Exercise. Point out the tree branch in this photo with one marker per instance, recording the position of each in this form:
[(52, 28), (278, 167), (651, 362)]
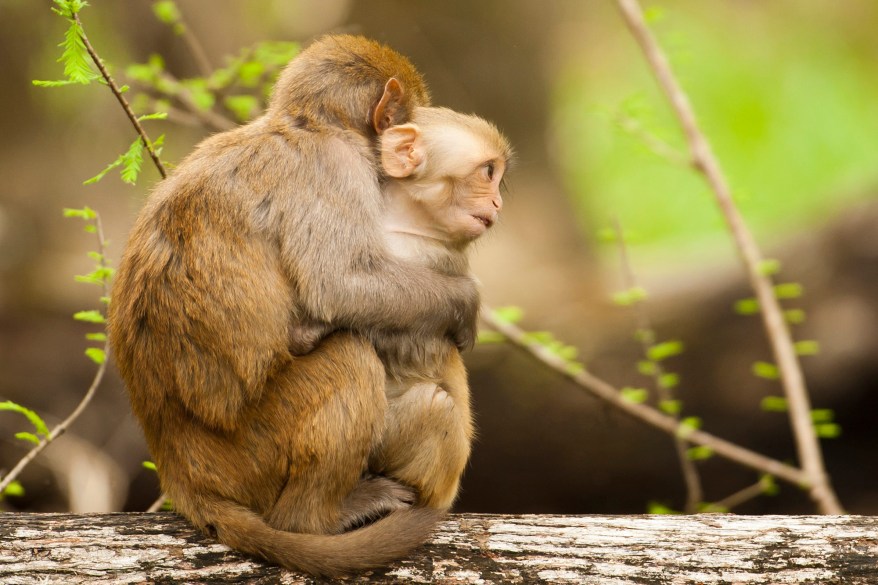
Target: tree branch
[(704, 161), (144, 138)]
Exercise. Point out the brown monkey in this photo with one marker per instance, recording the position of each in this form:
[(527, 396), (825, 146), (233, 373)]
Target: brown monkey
[(260, 231), (445, 193)]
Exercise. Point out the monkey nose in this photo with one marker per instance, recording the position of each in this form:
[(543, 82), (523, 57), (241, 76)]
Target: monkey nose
[(497, 202)]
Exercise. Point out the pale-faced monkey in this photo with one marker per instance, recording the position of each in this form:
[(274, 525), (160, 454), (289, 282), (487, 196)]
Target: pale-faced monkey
[(446, 170), (262, 229)]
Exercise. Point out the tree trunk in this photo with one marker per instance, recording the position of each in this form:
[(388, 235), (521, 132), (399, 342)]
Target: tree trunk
[(605, 550)]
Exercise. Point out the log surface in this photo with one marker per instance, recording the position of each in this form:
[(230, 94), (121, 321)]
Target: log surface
[(600, 550)]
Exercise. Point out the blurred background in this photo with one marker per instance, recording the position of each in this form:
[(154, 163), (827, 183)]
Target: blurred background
[(785, 90)]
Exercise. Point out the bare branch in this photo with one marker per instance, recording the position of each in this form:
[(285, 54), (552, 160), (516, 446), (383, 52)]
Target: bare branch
[(643, 412), (704, 161)]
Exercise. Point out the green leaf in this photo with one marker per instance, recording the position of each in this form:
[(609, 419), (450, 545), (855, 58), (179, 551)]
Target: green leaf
[(250, 73), (828, 430), (658, 508), (789, 290), (574, 368), (150, 465), (671, 407), (201, 96), (86, 213), (647, 368), (664, 350), (488, 337), (646, 336), (166, 11), (96, 355), (774, 404), (687, 425), (747, 306), (96, 336), (822, 415), (543, 338), (29, 437), (766, 370), (89, 316), (794, 316), (32, 416), (132, 161), (104, 172), (653, 14), (807, 347), (243, 106), (90, 229), (99, 276), (699, 453), (634, 395), (768, 267), (13, 489), (630, 297), (769, 485), (155, 116), (669, 380), (509, 314), (710, 508)]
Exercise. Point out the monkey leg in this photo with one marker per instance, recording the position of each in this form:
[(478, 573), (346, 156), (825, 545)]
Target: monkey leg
[(336, 408), (428, 437)]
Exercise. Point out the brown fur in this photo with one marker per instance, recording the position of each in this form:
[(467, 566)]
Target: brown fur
[(260, 232)]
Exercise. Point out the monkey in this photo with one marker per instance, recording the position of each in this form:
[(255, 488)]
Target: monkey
[(260, 231), (445, 172)]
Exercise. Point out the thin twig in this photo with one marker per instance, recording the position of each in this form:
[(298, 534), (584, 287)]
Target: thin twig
[(144, 138), (209, 118), (198, 51), (157, 505), (655, 144), (694, 490), (742, 496), (61, 428), (704, 161), (644, 412)]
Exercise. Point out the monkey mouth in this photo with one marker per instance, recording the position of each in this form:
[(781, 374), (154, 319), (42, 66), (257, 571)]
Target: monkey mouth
[(485, 221)]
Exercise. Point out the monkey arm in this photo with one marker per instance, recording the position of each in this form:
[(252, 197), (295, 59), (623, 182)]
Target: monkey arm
[(333, 249)]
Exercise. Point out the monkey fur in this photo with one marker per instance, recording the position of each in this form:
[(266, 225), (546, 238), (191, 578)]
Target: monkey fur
[(260, 231)]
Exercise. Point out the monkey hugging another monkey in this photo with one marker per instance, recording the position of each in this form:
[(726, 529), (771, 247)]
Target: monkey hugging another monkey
[(289, 308)]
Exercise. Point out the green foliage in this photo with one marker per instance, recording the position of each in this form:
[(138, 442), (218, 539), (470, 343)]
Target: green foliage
[(634, 395), (766, 370), (794, 316), (774, 404), (243, 107), (669, 380), (755, 120), (769, 485), (647, 368), (489, 337), (687, 425), (75, 57), (659, 508), (823, 423), (509, 315), (631, 296), (769, 267), (130, 161), (96, 354), (671, 407), (664, 350), (748, 306), (808, 347), (31, 416), (90, 316), (14, 489), (150, 465), (167, 12), (710, 508), (788, 290), (699, 453)]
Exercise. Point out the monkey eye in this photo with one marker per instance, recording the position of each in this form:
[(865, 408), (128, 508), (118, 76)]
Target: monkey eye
[(489, 170)]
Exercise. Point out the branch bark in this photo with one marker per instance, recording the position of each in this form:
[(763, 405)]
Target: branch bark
[(593, 550)]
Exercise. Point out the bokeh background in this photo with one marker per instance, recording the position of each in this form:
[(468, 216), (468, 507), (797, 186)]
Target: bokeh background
[(786, 90)]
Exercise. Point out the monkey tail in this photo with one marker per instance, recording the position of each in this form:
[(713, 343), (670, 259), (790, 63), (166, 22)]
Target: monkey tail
[(371, 546)]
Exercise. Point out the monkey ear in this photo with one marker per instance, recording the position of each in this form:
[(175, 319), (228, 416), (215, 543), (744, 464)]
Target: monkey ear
[(390, 103), (402, 151)]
